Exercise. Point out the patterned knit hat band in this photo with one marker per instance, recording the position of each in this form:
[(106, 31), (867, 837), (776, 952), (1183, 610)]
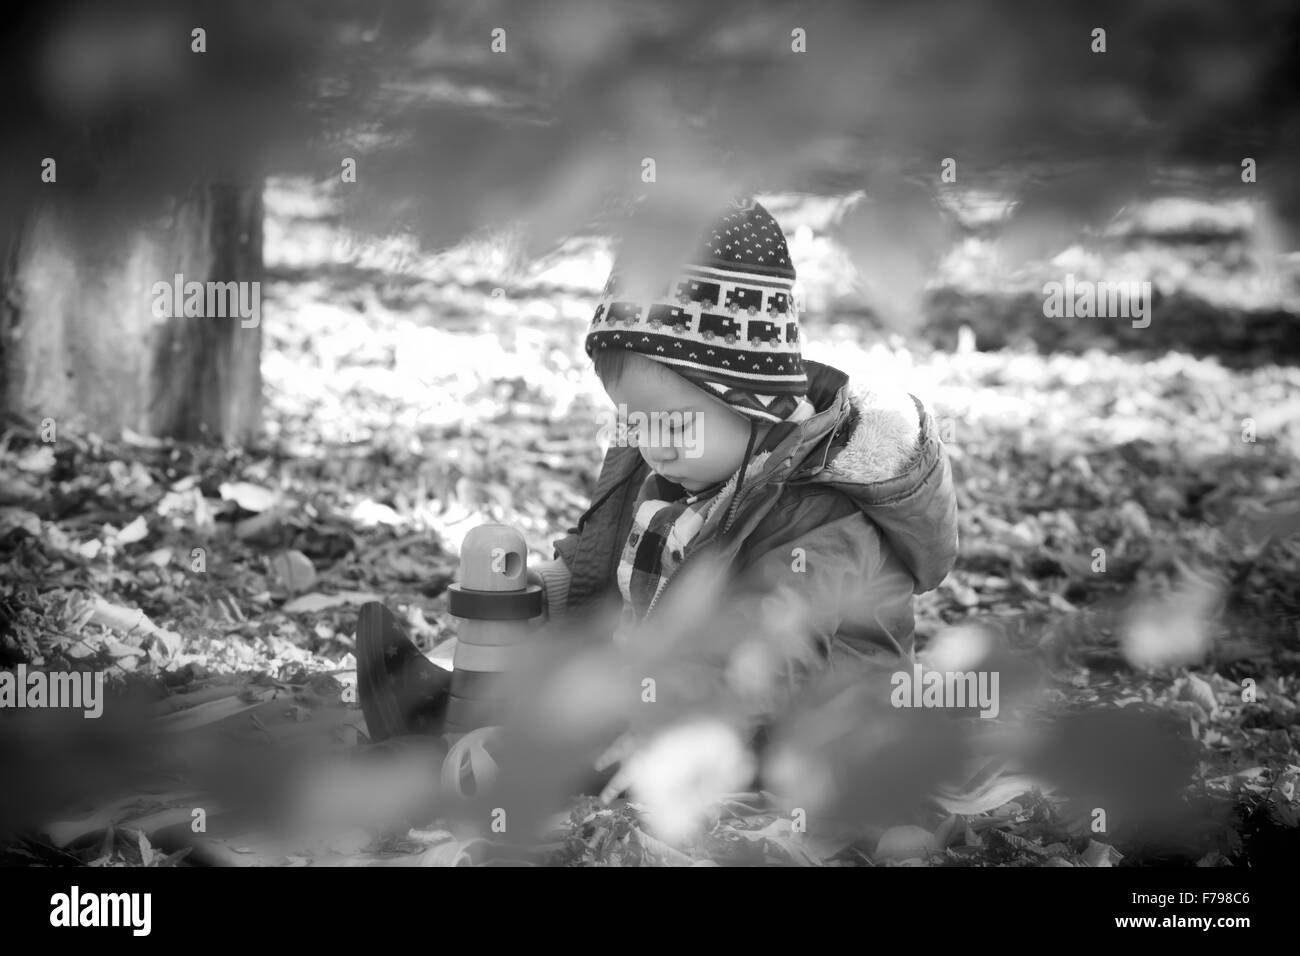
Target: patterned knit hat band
[(726, 322)]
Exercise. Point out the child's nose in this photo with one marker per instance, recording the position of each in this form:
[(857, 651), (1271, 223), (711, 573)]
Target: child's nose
[(659, 454)]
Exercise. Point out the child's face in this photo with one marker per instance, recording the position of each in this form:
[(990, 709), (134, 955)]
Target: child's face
[(697, 448)]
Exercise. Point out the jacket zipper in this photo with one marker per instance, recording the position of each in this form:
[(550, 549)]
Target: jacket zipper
[(662, 590)]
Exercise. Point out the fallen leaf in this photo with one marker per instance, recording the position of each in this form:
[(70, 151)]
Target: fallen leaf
[(962, 594), (132, 437), (1199, 692), (1288, 782), (259, 524), (369, 513), (37, 461), (248, 496), (118, 650), (15, 518), (137, 530), (147, 852), (124, 619), (168, 641), (159, 558), (319, 602), (294, 570)]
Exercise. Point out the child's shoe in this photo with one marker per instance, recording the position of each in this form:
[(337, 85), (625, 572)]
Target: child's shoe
[(399, 689)]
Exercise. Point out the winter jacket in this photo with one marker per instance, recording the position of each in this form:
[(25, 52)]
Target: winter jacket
[(863, 486)]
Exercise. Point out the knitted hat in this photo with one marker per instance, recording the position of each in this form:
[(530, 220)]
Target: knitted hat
[(726, 321)]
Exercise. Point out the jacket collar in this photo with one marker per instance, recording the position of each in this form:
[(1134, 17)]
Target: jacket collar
[(801, 450)]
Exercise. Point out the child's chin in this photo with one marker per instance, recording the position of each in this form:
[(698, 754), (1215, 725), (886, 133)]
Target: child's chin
[(690, 484)]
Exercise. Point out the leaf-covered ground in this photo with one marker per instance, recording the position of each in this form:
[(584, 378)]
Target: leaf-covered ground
[(1127, 525)]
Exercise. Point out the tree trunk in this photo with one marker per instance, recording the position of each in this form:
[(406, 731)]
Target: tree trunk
[(86, 340)]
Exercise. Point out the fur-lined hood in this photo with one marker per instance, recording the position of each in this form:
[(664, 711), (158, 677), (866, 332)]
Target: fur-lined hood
[(874, 446)]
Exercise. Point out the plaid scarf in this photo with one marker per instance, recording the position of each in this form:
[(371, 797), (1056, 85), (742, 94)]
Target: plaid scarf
[(662, 531)]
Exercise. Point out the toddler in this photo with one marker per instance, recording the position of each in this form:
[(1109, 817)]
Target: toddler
[(770, 453)]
